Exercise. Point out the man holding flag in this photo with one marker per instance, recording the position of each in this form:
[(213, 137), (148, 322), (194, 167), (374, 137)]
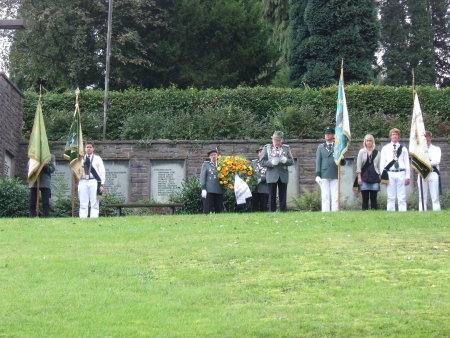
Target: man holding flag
[(420, 157), (39, 156), (330, 155)]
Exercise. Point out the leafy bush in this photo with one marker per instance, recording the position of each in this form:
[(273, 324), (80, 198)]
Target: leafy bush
[(190, 196), (310, 200), (13, 198)]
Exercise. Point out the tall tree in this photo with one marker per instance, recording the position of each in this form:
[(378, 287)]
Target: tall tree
[(220, 43), (327, 31), (421, 50), (155, 43), (440, 20), (394, 40)]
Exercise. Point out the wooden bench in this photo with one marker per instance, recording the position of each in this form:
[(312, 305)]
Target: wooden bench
[(119, 207)]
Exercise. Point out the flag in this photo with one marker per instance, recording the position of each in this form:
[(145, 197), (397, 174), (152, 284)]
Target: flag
[(342, 131), (241, 190), (73, 151), (38, 149), (418, 148)]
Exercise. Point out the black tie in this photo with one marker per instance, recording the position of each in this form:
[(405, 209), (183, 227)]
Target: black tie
[(87, 164), (329, 146), (395, 156)]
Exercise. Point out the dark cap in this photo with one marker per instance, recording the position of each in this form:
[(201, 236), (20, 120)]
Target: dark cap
[(212, 151), (259, 149), (328, 130)]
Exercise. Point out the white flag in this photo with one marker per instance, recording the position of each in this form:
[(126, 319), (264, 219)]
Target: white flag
[(418, 143), (241, 190)]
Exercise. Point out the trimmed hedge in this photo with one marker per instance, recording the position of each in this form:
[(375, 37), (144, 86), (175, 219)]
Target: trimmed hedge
[(237, 113)]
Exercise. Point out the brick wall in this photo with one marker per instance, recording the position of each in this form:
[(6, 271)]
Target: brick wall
[(10, 123), (194, 153)]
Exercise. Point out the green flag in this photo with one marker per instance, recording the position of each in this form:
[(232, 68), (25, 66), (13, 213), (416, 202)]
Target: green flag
[(73, 151), (38, 149)]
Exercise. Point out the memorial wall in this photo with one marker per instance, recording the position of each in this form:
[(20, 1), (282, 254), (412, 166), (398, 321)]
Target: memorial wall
[(153, 171)]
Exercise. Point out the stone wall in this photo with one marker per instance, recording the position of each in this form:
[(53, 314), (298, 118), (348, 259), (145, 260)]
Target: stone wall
[(11, 101), (139, 157)]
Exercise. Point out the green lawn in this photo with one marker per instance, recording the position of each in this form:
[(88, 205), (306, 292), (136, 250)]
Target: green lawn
[(294, 274)]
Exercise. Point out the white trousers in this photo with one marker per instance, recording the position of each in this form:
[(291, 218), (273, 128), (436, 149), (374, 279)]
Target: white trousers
[(431, 184), (329, 191), (87, 192), (396, 189)]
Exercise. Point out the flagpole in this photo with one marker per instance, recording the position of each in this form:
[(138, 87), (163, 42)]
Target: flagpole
[(339, 166), (73, 195), (420, 176)]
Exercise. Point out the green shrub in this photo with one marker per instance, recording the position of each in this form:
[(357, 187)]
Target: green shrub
[(13, 198), (190, 196), (237, 113), (310, 200)]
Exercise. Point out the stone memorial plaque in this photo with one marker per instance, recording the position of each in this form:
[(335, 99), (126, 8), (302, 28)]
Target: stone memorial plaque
[(7, 165), (292, 187), (347, 179), (116, 179), (166, 178), (61, 180)]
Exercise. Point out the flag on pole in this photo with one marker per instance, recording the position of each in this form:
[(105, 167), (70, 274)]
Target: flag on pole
[(418, 148), (342, 130), (73, 151), (241, 190), (38, 149)]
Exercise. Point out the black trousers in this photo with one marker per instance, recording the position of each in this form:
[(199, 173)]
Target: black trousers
[(45, 198), (260, 201), (212, 203), (373, 199), (282, 191)]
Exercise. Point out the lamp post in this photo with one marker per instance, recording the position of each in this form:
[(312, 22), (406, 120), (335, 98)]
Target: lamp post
[(108, 55)]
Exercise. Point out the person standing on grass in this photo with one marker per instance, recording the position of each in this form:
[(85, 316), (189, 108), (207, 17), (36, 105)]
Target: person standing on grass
[(276, 157), (327, 172), (212, 191), (368, 173), (45, 182), (431, 184), (395, 169), (260, 196), (91, 185)]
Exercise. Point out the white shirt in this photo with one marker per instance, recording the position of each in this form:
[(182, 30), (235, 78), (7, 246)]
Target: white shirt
[(434, 154), (387, 155), (97, 164)]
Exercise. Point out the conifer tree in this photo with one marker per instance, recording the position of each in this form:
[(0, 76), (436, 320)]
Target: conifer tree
[(325, 32)]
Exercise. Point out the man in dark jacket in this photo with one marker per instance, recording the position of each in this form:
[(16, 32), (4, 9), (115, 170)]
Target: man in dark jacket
[(45, 181)]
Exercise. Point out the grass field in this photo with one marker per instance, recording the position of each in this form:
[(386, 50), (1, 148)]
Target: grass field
[(230, 275)]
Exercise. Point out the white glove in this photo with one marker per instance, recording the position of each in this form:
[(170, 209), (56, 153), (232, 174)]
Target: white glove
[(318, 180), (204, 193), (284, 159), (275, 160)]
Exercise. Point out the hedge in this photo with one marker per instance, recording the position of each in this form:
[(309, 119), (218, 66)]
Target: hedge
[(237, 113)]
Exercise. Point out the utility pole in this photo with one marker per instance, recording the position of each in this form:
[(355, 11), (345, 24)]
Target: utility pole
[(108, 55)]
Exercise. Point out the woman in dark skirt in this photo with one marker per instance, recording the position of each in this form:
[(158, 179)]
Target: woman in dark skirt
[(367, 170)]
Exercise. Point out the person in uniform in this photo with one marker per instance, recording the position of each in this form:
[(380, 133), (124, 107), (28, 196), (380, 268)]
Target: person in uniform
[(260, 196), (431, 184), (276, 157), (92, 182), (395, 168), (327, 172), (45, 181), (212, 191)]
